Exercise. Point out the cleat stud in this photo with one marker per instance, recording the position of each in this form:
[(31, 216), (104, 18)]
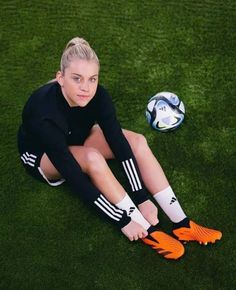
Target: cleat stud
[(200, 243), (205, 243)]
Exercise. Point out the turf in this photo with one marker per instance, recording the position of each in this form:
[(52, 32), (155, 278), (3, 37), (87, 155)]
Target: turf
[(48, 238)]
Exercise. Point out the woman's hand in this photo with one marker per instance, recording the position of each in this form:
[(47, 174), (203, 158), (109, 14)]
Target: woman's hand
[(149, 212), (134, 231)]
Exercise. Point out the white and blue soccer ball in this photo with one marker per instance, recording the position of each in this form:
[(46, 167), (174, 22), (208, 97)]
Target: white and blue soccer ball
[(165, 111)]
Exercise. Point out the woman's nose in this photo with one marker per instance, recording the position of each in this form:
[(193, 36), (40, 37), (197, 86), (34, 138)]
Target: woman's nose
[(84, 86)]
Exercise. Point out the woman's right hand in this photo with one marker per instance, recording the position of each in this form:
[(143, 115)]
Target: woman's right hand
[(134, 231)]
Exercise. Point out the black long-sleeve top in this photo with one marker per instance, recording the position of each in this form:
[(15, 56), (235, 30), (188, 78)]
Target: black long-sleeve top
[(52, 125)]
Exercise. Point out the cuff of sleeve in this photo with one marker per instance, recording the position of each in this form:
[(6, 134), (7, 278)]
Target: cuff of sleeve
[(139, 197), (124, 221)]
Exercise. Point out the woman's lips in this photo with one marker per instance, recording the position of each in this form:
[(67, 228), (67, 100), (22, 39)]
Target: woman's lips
[(83, 96)]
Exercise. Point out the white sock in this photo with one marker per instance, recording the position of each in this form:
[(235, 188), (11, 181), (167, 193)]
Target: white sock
[(170, 205), (127, 204)]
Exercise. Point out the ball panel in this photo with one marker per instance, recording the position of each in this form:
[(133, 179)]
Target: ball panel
[(151, 105), (181, 107)]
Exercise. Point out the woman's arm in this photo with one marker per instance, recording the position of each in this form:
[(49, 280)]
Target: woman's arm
[(56, 148), (106, 117)]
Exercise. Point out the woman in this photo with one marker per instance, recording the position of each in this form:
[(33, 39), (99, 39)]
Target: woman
[(69, 129)]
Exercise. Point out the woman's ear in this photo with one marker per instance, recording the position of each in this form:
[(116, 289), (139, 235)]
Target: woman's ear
[(60, 78)]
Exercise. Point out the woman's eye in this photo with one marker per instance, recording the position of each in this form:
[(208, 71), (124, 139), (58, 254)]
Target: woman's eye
[(77, 79), (93, 80)]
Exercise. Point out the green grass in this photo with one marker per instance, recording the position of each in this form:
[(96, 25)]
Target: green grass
[(48, 238)]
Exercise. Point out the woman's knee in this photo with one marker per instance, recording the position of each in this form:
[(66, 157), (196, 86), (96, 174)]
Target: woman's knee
[(95, 162), (138, 143)]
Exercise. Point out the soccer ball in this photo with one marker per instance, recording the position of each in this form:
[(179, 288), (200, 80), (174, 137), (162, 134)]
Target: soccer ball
[(165, 111)]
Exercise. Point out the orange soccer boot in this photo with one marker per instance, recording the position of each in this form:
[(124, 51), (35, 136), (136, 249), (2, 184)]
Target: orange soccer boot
[(165, 245), (197, 233)]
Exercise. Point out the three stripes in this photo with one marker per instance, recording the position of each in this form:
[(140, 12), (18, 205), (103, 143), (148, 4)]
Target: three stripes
[(109, 209), (28, 159), (132, 174)]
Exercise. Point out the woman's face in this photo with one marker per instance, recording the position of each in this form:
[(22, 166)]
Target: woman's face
[(79, 82)]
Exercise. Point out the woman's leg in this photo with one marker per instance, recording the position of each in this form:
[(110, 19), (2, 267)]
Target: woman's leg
[(152, 174), (94, 165), (150, 169), (157, 184)]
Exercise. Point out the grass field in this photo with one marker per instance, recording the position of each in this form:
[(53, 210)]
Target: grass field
[(48, 238)]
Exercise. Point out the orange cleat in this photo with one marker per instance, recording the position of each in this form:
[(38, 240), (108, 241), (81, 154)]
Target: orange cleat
[(197, 233), (165, 245)]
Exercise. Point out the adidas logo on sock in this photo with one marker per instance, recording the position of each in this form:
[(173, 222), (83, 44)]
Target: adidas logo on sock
[(131, 209), (173, 200)]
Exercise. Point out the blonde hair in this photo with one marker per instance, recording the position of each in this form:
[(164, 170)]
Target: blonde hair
[(77, 48)]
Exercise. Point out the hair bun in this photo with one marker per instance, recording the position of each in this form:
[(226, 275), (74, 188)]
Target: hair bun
[(77, 41), (77, 47)]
